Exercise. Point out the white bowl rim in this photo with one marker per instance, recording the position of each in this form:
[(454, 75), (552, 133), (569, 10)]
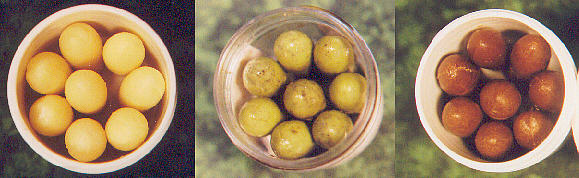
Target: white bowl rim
[(563, 124), (73, 165)]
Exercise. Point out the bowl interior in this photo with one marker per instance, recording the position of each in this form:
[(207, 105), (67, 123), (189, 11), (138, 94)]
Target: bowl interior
[(44, 37), (256, 40), (452, 39)]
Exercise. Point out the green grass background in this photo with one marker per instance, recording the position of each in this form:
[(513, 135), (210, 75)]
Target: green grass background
[(417, 22), (217, 20)]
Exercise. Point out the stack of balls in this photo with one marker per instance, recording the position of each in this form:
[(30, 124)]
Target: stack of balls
[(518, 111), (77, 75), (287, 111)]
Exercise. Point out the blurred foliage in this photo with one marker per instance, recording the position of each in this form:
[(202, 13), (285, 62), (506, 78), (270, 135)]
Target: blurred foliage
[(217, 20), (173, 155), (417, 22)]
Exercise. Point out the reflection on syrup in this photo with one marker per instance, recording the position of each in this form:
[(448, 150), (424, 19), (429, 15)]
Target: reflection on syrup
[(113, 81)]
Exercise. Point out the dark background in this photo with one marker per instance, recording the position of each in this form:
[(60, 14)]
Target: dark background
[(172, 20), (417, 22)]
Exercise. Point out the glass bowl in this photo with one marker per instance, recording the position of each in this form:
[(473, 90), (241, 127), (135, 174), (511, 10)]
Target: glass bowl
[(256, 38)]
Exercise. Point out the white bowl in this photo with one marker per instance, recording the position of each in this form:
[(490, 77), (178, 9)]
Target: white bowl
[(451, 40), (106, 20)]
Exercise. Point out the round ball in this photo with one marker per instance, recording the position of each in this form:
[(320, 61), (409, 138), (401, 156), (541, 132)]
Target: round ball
[(263, 76), (333, 54), (50, 115), (531, 128), (126, 129), (291, 140), (86, 91), (486, 47), (47, 72), (123, 52), (85, 140), (330, 127), (500, 99), (530, 54), (259, 116), (81, 46), (461, 116), (304, 99), (142, 88), (493, 140), (293, 50), (457, 76), (348, 92), (547, 90)]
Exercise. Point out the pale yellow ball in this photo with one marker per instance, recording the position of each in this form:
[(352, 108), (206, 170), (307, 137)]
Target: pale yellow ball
[(50, 115), (85, 140), (81, 46), (47, 72), (126, 129), (142, 88), (123, 52), (86, 91)]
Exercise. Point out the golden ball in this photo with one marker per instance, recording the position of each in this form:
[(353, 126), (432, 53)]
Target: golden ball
[(46, 73), (85, 140), (123, 52), (86, 91), (81, 46), (50, 115), (126, 129), (142, 88)]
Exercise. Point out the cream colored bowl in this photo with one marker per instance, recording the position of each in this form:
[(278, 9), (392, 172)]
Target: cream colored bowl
[(106, 20), (451, 39)]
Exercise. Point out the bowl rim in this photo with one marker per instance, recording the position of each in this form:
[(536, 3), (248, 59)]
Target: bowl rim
[(70, 164), (563, 124), (349, 151)]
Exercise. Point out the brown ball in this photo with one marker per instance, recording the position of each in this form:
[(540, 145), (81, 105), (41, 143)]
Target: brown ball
[(546, 90), (500, 99), (461, 116), (530, 54), (531, 128), (486, 47), (456, 75), (493, 140)]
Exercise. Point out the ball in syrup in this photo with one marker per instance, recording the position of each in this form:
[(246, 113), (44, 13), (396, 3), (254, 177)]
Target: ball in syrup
[(486, 47), (50, 115), (142, 88), (123, 52), (461, 116), (47, 72), (546, 90), (304, 99), (493, 140), (500, 99), (81, 46), (457, 76), (531, 128), (85, 140), (126, 129), (530, 54), (86, 91), (293, 50)]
